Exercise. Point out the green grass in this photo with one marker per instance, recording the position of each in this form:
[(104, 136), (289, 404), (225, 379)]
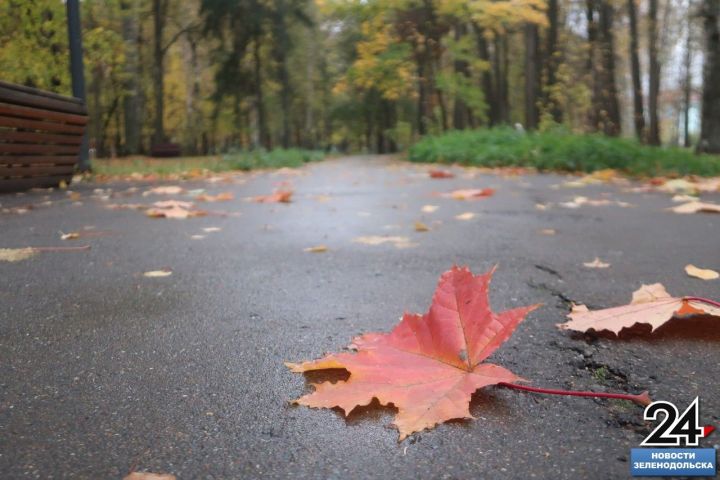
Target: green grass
[(560, 151), (215, 163), (292, 157)]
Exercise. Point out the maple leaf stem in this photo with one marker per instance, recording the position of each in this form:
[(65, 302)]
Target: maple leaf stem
[(703, 300), (641, 398), (61, 249)]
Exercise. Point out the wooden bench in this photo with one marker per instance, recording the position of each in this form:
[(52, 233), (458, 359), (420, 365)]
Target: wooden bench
[(40, 137)]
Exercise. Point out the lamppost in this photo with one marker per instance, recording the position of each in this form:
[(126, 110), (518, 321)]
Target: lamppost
[(76, 70)]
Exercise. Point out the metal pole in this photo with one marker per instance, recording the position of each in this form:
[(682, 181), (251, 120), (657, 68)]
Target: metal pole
[(76, 70)]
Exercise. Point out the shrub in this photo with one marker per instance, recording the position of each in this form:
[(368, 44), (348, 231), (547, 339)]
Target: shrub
[(278, 158)]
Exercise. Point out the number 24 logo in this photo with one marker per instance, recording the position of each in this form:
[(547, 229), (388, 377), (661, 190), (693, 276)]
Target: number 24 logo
[(674, 427)]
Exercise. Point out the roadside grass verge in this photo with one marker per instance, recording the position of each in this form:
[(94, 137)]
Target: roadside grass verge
[(560, 151), (180, 166)]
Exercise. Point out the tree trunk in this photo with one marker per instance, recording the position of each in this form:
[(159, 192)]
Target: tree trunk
[(687, 84), (639, 114), (461, 112), (654, 74), (552, 62), (500, 64), (532, 76), (259, 97), (710, 116), (609, 115), (486, 81), (159, 11), (131, 100)]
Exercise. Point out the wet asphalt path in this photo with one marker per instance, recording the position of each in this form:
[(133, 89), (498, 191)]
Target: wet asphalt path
[(103, 370)]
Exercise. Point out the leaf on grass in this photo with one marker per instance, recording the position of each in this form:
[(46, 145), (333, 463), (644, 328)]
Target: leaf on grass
[(465, 216), (696, 207), (429, 208), (701, 273), (220, 197), (399, 242), (16, 254), (651, 304), (470, 193), (149, 476), (429, 365), (165, 272), (597, 263), (316, 249), (437, 173), (421, 227), (279, 196)]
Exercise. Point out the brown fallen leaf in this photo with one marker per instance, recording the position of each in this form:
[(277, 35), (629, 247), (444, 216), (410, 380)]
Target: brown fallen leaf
[(316, 249), (220, 197), (696, 207), (149, 476), (437, 173), (651, 304), (701, 273), (470, 193), (279, 196), (597, 263), (421, 227), (164, 272), (429, 365)]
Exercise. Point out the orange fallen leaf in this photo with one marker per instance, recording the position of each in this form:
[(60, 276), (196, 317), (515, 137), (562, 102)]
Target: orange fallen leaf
[(220, 197), (437, 173), (651, 304), (701, 273), (149, 476), (429, 365), (165, 190), (470, 193), (696, 207), (279, 196)]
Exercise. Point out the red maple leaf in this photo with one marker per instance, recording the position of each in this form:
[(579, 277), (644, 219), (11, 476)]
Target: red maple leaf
[(429, 365)]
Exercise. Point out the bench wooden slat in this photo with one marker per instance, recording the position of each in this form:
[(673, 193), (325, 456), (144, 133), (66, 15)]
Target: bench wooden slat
[(39, 137), (42, 126), (29, 112), (34, 159), (37, 148), (15, 96), (36, 170)]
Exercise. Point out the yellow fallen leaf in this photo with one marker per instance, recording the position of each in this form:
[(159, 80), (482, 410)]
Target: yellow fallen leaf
[(63, 185), (429, 208), (211, 229), (421, 227), (316, 249), (69, 236), (166, 272), (16, 254), (547, 231), (701, 273), (540, 206), (399, 242), (197, 237), (597, 263), (465, 216)]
